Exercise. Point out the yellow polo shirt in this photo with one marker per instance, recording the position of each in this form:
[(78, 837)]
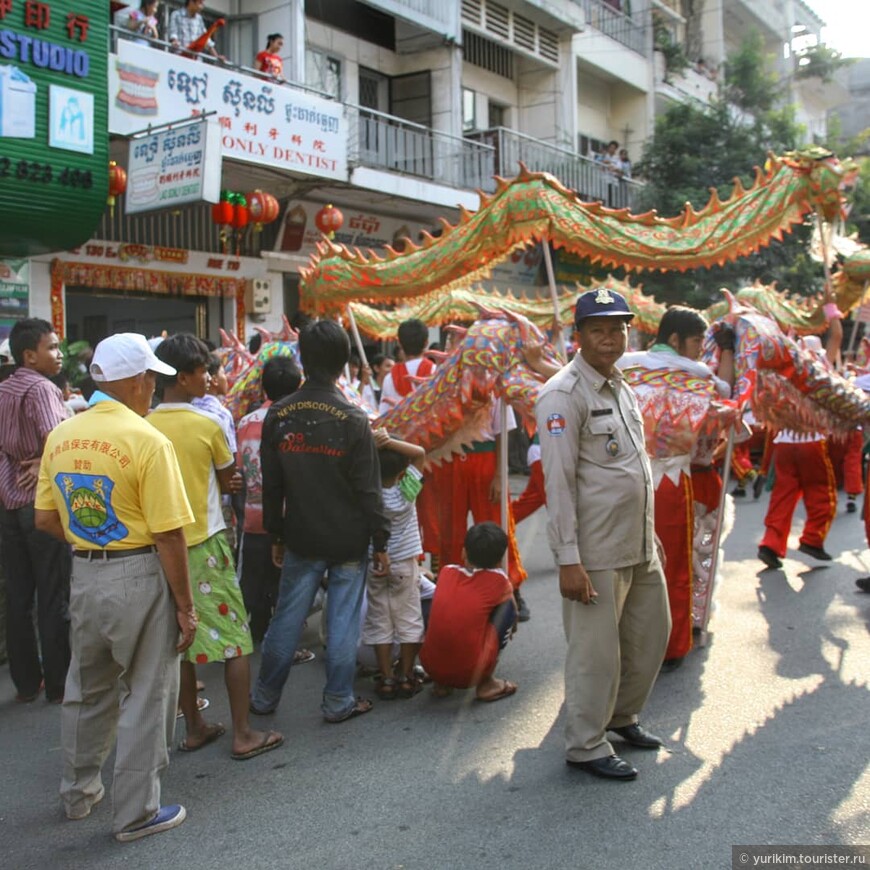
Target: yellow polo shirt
[(113, 479)]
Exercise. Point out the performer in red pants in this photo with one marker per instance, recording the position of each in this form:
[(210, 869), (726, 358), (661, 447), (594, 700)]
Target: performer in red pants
[(678, 348), (533, 496), (802, 468), (846, 460)]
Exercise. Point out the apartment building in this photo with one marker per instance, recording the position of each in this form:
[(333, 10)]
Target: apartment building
[(393, 111)]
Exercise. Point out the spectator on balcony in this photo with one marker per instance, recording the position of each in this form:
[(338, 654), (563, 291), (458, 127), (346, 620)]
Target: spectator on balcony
[(623, 164), (143, 21), (269, 61), (186, 27)]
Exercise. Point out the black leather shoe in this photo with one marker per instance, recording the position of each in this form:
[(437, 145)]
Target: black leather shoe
[(816, 552), (611, 767), (523, 612), (863, 583), (851, 507), (638, 736), (769, 557)]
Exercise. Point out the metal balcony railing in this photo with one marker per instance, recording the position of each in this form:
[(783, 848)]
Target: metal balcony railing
[(386, 142), (588, 178), (609, 19)]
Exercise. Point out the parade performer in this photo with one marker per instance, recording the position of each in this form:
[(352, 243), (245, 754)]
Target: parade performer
[(600, 495), (110, 486), (802, 468), (397, 382), (678, 347)]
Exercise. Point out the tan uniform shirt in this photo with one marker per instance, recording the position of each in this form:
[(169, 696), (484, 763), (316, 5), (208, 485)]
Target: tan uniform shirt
[(596, 471)]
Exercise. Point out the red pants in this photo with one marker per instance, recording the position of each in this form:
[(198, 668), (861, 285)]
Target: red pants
[(706, 486), (533, 496), (846, 461), (675, 522), (802, 469), (467, 489), (429, 506)]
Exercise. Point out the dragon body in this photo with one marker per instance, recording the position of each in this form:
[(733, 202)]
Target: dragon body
[(535, 207)]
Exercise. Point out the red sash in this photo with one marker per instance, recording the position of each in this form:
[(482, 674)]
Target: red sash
[(402, 380)]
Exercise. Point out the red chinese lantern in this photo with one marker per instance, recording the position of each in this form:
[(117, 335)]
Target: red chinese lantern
[(117, 184), (328, 220), (263, 208), (222, 212), (240, 211)]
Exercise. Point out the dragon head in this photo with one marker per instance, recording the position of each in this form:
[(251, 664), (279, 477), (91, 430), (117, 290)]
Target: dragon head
[(453, 406), (827, 178)]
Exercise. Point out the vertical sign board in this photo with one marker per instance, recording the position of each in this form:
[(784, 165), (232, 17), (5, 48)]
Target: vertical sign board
[(14, 293), (174, 167), (54, 142)]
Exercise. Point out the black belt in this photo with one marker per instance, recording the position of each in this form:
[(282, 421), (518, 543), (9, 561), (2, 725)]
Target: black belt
[(104, 555)]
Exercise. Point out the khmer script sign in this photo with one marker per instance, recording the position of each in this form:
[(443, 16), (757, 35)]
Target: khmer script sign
[(174, 166), (260, 121)]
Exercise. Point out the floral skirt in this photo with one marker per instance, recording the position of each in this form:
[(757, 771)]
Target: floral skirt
[(223, 631)]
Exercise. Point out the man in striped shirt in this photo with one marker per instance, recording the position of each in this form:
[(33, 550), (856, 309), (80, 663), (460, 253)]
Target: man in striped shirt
[(37, 565)]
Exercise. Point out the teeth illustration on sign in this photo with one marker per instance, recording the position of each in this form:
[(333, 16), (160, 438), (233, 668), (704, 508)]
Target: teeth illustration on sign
[(137, 93)]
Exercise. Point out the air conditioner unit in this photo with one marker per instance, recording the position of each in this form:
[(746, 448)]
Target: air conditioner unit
[(258, 298)]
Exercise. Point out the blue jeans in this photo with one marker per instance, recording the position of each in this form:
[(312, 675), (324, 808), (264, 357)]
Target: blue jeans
[(300, 579)]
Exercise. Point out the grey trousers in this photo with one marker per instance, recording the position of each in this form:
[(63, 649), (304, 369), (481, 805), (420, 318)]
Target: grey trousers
[(122, 681), (615, 650)]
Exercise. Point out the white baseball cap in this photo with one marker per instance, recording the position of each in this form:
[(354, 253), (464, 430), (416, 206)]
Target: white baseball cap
[(123, 356)]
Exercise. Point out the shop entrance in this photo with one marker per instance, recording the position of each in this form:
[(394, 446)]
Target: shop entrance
[(92, 315)]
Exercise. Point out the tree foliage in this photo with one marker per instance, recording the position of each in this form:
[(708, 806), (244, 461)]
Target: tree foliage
[(697, 147)]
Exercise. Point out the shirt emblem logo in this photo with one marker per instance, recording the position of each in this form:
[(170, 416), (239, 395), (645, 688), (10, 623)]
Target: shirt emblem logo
[(88, 500), (603, 297), (556, 424)]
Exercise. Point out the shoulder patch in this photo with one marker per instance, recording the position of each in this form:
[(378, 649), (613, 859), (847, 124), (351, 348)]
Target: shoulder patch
[(556, 424)]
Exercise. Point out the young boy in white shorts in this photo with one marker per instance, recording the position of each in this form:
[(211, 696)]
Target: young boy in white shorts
[(394, 612)]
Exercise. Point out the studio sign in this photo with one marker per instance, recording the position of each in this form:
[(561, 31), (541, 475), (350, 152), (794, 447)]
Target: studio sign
[(44, 54)]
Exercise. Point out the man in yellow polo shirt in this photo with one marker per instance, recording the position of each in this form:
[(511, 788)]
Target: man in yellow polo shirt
[(110, 485)]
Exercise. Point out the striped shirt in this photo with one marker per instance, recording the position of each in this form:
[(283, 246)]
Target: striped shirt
[(404, 542), (30, 407), (186, 28)]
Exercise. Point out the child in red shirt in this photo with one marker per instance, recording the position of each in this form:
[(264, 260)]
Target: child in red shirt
[(473, 616)]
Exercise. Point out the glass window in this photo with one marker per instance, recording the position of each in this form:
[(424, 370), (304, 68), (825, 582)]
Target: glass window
[(497, 115), (323, 72), (469, 115)]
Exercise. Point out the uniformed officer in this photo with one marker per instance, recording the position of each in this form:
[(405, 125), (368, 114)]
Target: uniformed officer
[(600, 498)]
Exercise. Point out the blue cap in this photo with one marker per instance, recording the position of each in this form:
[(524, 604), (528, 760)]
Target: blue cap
[(601, 302)]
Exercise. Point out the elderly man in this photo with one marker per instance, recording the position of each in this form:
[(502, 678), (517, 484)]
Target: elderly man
[(110, 485), (600, 498)]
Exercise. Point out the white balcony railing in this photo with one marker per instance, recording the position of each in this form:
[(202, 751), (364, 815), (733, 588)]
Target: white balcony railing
[(387, 142), (588, 178)]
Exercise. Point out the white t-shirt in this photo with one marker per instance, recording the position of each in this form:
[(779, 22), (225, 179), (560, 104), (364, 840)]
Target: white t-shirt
[(389, 394)]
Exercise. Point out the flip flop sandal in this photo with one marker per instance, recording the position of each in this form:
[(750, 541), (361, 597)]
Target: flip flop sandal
[(506, 691), (201, 704), (212, 734), (362, 705), (266, 746), (409, 687), (303, 656)]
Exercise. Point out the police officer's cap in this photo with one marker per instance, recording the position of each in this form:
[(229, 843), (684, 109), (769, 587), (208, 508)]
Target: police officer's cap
[(601, 302)]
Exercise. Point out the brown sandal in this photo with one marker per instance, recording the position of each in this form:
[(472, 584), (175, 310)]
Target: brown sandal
[(387, 689), (409, 686)]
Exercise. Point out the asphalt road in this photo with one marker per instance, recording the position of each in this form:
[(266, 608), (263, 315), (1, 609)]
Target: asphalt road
[(766, 729)]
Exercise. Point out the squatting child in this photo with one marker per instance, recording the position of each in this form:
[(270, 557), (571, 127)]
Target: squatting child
[(473, 617)]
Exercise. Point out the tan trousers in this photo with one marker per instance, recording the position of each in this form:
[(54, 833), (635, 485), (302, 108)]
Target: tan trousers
[(123, 679), (615, 649)]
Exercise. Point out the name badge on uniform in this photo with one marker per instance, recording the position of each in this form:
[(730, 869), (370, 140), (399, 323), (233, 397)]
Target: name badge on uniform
[(611, 446)]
